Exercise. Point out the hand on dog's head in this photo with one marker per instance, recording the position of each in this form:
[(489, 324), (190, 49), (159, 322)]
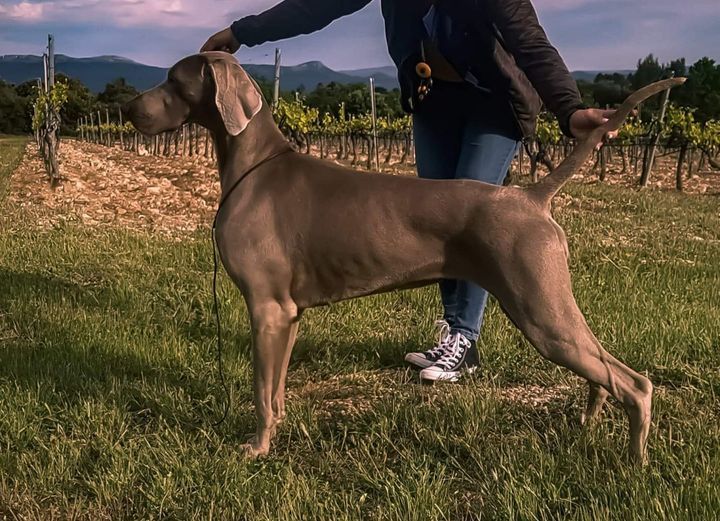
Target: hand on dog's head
[(209, 88)]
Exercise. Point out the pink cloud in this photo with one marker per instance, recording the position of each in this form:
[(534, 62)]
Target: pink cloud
[(23, 11), (619, 6), (123, 13)]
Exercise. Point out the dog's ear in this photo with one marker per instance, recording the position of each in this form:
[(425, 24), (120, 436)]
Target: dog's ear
[(236, 97)]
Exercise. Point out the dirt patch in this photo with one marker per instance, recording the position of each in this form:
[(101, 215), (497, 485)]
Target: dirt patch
[(109, 186), (352, 394), (357, 393), (661, 178), (175, 195)]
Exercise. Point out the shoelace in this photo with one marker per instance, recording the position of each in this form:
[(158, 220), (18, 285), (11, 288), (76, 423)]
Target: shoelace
[(454, 354), (443, 337)]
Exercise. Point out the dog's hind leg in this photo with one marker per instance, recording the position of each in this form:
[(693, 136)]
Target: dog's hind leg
[(537, 296), (278, 396), (272, 324)]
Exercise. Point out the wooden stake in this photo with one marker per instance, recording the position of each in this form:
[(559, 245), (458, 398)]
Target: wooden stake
[(653, 144), (276, 82), (122, 137), (109, 133), (373, 110), (100, 128)]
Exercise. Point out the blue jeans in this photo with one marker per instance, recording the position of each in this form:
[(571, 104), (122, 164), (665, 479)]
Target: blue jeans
[(463, 133)]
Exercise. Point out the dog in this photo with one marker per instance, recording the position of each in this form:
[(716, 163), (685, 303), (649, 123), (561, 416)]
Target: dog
[(295, 232)]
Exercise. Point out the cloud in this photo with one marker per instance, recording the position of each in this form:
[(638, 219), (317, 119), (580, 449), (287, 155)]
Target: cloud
[(595, 34), (175, 7), (590, 34), (560, 5), (123, 13), (22, 11), (620, 8)]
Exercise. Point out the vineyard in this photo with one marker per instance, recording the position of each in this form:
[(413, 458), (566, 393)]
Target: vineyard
[(109, 381), (344, 137), (108, 276), (349, 138)]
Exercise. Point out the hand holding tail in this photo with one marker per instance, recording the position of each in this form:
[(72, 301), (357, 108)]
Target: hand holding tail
[(545, 190), (584, 121)]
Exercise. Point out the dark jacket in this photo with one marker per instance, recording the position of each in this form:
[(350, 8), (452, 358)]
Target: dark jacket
[(526, 68)]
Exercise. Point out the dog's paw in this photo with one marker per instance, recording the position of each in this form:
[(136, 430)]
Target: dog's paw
[(253, 450)]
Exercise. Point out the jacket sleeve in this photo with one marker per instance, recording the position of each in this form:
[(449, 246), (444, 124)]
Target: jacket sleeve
[(526, 40), (292, 18)]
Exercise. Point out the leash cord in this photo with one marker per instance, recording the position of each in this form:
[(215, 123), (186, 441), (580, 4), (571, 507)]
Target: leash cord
[(221, 372), (216, 305)]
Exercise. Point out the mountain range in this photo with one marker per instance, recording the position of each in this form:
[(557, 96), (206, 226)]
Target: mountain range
[(97, 71)]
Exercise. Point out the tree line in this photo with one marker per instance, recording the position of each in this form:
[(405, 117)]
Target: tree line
[(17, 103), (701, 94)]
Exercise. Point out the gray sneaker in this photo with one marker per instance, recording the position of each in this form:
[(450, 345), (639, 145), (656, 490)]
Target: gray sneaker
[(460, 357), (432, 355)]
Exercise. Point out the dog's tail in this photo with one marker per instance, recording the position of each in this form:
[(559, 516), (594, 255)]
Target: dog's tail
[(545, 190)]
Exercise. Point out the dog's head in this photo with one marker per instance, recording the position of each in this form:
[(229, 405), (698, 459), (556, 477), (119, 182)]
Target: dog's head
[(209, 88)]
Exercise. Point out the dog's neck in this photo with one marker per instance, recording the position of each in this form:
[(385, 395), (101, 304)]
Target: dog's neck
[(238, 154)]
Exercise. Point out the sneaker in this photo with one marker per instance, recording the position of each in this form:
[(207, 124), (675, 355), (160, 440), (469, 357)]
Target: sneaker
[(432, 355), (460, 357)]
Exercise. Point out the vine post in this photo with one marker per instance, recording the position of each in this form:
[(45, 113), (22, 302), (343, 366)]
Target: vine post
[(109, 130), (46, 113), (122, 137), (654, 141), (373, 113), (100, 130), (51, 61), (276, 79)]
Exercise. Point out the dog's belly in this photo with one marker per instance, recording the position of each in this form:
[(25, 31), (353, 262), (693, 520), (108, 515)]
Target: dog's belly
[(369, 239), (345, 277)]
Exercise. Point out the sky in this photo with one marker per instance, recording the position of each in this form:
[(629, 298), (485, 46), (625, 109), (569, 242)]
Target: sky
[(590, 34)]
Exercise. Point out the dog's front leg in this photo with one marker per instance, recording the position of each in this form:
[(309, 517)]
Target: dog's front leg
[(272, 324), (597, 395), (278, 398)]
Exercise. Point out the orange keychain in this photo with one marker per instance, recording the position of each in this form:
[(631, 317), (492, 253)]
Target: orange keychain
[(423, 70)]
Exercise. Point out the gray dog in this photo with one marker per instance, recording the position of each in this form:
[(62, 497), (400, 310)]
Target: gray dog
[(300, 232)]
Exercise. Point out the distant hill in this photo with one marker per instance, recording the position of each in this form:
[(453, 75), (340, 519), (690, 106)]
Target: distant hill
[(97, 71), (94, 72), (384, 76), (310, 74), (387, 70)]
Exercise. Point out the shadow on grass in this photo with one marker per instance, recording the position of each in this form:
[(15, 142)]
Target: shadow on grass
[(125, 360), (71, 360), (115, 354)]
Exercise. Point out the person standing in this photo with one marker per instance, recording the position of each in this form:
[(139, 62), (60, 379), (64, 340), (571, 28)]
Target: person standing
[(492, 68)]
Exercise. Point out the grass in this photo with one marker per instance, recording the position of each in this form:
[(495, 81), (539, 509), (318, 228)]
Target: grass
[(108, 386), (11, 151)]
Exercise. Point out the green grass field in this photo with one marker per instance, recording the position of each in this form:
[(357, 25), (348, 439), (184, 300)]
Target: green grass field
[(11, 151), (108, 385)]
